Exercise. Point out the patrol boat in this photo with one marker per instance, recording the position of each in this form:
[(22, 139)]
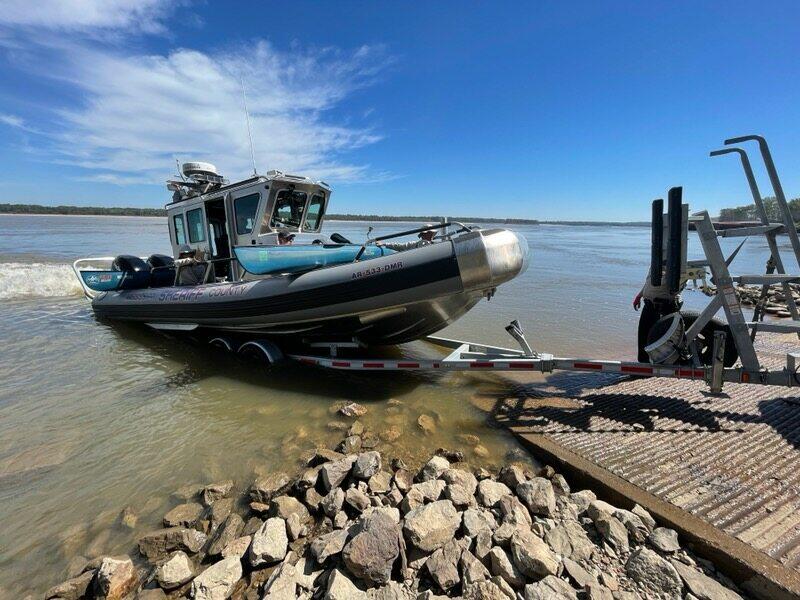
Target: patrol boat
[(318, 288)]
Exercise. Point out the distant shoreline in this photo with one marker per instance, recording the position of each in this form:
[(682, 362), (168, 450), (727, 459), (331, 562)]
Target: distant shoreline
[(99, 211)]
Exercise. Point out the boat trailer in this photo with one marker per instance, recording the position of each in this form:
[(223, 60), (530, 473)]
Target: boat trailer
[(669, 246)]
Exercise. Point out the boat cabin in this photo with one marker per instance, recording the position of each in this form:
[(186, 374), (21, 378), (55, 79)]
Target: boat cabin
[(210, 214)]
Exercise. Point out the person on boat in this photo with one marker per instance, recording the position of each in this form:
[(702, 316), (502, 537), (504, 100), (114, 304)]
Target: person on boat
[(658, 301), (425, 237), (191, 270), (285, 238)]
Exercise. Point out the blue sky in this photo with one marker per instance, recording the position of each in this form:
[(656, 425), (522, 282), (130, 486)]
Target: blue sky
[(552, 110)]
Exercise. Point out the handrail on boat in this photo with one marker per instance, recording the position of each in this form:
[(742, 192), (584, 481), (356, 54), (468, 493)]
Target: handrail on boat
[(389, 236)]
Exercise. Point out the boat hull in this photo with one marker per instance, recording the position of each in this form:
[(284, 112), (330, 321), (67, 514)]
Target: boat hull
[(387, 300)]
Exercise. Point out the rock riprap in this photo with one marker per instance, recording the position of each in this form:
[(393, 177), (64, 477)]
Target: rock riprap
[(364, 526)]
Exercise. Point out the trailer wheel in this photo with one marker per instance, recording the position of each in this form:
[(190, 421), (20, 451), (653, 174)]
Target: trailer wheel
[(221, 343), (261, 350), (705, 339)]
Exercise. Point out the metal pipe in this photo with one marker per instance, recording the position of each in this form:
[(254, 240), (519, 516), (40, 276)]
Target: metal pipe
[(675, 220), (777, 262), (791, 228), (657, 243)]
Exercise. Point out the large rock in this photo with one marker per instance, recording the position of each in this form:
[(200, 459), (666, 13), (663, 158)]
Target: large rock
[(476, 520), (550, 588), (160, 543), (229, 531), (458, 495), (367, 464), (581, 500), (442, 565), (237, 547), (392, 591), (614, 532), (357, 499), (486, 590), (599, 507), (353, 409), (490, 492), (513, 511), (341, 588), (645, 516), (461, 477), (434, 468), (334, 473), (284, 506), (654, 573), (472, 569), (500, 564), (380, 483), (282, 584), (370, 554), (175, 572), (664, 539), (72, 589), (264, 488), (637, 530), (218, 580), (532, 556), (328, 544), (430, 526), (269, 543), (183, 515), (703, 586), (332, 502), (217, 513), (216, 491), (115, 578), (512, 476), (569, 540), (538, 496)]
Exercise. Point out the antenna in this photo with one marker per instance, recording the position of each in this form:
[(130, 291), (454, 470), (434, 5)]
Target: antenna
[(249, 135), (180, 171)]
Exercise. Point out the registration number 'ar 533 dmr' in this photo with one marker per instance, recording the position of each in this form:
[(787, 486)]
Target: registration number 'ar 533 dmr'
[(378, 270)]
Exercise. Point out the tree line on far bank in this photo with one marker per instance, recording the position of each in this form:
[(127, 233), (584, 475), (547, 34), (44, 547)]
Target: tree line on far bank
[(38, 209), (749, 213)]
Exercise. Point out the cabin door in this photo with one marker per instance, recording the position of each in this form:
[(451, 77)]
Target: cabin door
[(218, 236)]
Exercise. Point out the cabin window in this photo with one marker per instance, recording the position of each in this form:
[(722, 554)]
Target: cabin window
[(245, 209), (289, 206), (314, 212), (194, 220), (180, 232)]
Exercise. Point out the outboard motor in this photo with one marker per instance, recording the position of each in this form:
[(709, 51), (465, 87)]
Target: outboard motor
[(162, 270), (137, 272)]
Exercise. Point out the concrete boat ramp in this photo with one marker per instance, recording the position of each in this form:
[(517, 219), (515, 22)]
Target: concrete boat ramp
[(722, 470)]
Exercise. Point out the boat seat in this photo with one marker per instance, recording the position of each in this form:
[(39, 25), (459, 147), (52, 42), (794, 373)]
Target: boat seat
[(137, 272), (162, 270)]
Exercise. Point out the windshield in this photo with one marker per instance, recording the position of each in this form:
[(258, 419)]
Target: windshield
[(289, 207), (314, 213)]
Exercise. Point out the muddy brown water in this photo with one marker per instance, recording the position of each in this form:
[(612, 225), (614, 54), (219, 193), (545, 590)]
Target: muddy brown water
[(95, 418)]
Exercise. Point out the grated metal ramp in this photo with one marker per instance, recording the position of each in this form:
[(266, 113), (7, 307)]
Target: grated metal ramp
[(730, 460)]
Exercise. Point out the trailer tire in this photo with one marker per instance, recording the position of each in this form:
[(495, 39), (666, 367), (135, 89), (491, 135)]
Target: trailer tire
[(221, 343), (262, 351), (705, 339)]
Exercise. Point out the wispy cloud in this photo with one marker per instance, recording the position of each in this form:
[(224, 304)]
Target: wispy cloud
[(87, 15), (12, 121), (141, 111)]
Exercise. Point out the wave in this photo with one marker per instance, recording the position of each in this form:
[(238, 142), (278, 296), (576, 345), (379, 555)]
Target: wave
[(20, 280)]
